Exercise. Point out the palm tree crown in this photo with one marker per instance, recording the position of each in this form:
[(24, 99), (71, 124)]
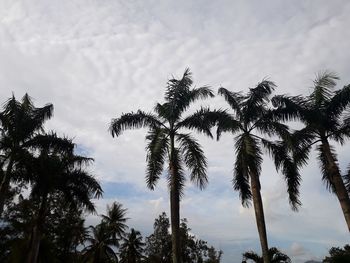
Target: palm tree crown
[(20, 123)]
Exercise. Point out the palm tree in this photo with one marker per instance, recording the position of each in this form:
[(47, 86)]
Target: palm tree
[(58, 171), (101, 245), (166, 141), (115, 219), (322, 114), (131, 250), (252, 119), (20, 123), (274, 254)]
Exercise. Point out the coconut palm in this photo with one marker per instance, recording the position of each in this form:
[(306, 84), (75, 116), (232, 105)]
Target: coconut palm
[(274, 254), (115, 219), (166, 141), (58, 171), (251, 122), (131, 250), (322, 113), (20, 123), (101, 245)]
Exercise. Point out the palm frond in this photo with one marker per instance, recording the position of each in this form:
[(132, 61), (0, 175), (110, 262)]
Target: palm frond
[(234, 99), (157, 150), (202, 121), (290, 170), (227, 123), (290, 108), (323, 87), (132, 120), (339, 102), (194, 159)]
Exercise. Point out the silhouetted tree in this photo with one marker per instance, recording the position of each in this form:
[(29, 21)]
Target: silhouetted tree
[(131, 249), (167, 142), (20, 123), (338, 255), (322, 114), (252, 121), (101, 245), (57, 170)]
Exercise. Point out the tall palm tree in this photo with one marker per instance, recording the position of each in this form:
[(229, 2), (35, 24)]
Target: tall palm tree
[(166, 141), (275, 256), (115, 219), (322, 113), (131, 250), (58, 171), (100, 249), (20, 123), (251, 122)]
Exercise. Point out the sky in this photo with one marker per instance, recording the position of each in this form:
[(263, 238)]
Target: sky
[(97, 59)]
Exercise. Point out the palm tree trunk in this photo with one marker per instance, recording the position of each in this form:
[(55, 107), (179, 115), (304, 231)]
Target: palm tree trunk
[(5, 182), (32, 256), (337, 181), (259, 216), (174, 209)]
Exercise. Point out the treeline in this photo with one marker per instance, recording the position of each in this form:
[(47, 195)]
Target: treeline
[(47, 188), (66, 238)]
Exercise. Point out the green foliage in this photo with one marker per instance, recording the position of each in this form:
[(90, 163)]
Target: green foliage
[(338, 255), (194, 250), (275, 256)]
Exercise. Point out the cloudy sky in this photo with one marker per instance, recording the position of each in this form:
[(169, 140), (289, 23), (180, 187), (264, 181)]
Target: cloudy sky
[(94, 59)]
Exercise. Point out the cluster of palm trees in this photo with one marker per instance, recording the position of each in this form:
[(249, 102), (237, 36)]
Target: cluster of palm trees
[(43, 176), (44, 164), (255, 120)]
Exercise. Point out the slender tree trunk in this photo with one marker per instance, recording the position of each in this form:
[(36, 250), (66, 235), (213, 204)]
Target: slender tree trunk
[(174, 209), (337, 181), (34, 247), (5, 182), (259, 216)]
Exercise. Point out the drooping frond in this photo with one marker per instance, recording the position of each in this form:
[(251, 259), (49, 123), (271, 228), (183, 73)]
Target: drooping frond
[(132, 120), (291, 108), (284, 163), (227, 123), (341, 133), (266, 125), (339, 102), (79, 187), (194, 158), (248, 161), (202, 121), (234, 99), (329, 167), (176, 174), (323, 88), (157, 151)]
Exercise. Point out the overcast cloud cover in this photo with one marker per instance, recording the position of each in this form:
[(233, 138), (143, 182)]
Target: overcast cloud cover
[(94, 59)]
